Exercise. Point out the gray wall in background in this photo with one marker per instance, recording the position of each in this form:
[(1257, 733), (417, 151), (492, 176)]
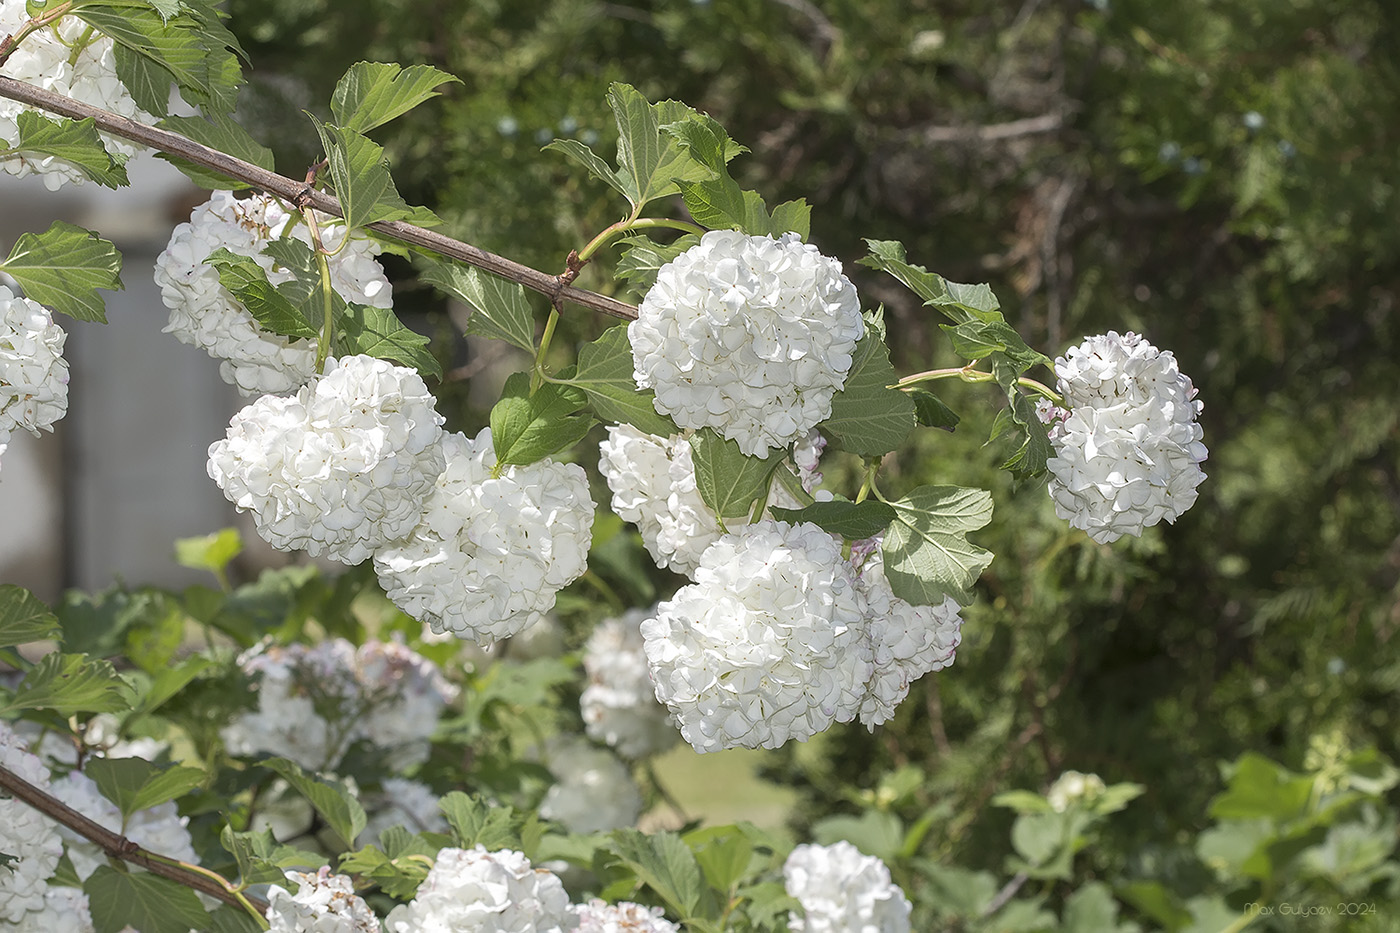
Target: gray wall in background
[(104, 497)]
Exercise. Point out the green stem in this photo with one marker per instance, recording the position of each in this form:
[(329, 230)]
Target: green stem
[(78, 47), (323, 347), (11, 43), (538, 375), (969, 374), (236, 891), (635, 223)]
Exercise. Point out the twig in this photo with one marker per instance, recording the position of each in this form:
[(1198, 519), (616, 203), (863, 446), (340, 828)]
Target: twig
[(992, 132), (1007, 892), (291, 190), (118, 846)]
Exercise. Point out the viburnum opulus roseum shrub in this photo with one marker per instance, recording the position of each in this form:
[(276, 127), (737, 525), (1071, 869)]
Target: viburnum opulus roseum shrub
[(317, 753)]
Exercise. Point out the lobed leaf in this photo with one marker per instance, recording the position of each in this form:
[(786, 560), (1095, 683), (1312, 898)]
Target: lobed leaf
[(605, 372), (371, 94), (729, 481), (478, 823), (379, 333), (63, 268), (335, 802), (140, 900), (868, 417), (272, 309), (926, 551), (500, 309), (75, 142), (360, 174), (135, 784), (217, 131), (665, 864), (70, 684), (528, 426), (23, 617), (853, 521)]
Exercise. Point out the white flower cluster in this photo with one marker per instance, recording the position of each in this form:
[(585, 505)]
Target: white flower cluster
[(476, 891), (314, 701), (323, 903), (341, 468), (594, 790), (751, 336), (204, 314), (1074, 786), (26, 836), (619, 704), (907, 641), (1127, 446), (780, 637), (653, 486), (494, 547), (51, 59), (159, 829), (33, 372), (65, 910), (402, 802), (843, 891), (598, 916), (766, 645)]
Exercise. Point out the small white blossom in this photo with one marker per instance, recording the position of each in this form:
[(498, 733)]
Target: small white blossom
[(25, 835), (402, 802), (49, 58), (65, 910), (341, 468), (594, 790), (751, 336), (767, 645), (598, 916), (323, 903), (494, 547), (33, 372), (843, 891), (907, 641), (206, 315), (1074, 786), (160, 829), (619, 704), (314, 701), (476, 891), (1127, 445)]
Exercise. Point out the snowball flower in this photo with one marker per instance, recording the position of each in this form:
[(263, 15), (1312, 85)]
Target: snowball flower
[(65, 910), (324, 903), (25, 835), (843, 891), (751, 336), (313, 701), (341, 468), (205, 314), (767, 644), (598, 916), (1073, 786), (409, 804), (476, 891), (160, 829), (619, 704), (493, 547), (906, 641), (653, 486), (1127, 445), (594, 790), (50, 58), (33, 372)]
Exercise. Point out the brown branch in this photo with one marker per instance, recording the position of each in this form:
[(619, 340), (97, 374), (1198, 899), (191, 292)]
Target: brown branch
[(291, 190), (116, 845), (993, 132)]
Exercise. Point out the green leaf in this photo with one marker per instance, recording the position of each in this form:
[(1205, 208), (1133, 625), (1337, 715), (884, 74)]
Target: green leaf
[(248, 283), (1155, 901), (227, 919), (135, 784), (962, 892), (63, 268), (23, 618), (927, 554), (851, 520), (209, 552), (332, 799), (665, 864), (605, 372), (1023, 801), (588, 159), (166, 683), (960, 303), (728, 480), (1262, 789), (639, 263), (868, 417), (526, 428), (360, 173), (399, 867), (649, 161), (792, 217), (930, 410), (220, 132), (371, 94), (500, 309), (1034, 449), (261, 858), (143, 901), (75, 142), (723, 852), (379, 333), (478, 823), (874, 832), (69, 684)]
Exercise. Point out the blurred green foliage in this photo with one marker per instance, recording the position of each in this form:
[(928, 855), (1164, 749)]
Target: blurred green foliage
[(1218, 176)]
